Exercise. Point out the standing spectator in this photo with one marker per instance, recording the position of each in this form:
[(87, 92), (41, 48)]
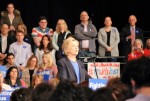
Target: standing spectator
[(69, 68), (11, 17), (85, 33), (5, 41), (59, 35), (27, 37), (108, 38), (45, 47), (42, 29), (129, 34), (21, 50)]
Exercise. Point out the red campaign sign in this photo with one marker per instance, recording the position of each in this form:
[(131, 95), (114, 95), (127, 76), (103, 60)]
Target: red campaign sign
[(105, 70)]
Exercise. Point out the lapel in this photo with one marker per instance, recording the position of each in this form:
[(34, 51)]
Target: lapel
[(70, 67), (104, 34), (80, 71)]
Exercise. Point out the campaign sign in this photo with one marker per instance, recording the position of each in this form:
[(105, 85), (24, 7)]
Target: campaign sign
[(5, 95), (4, 70), (97, 83), (104, 70), (45, 74)]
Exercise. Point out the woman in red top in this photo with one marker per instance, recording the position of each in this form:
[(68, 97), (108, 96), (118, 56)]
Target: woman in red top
[(147, 48), (137, 50)]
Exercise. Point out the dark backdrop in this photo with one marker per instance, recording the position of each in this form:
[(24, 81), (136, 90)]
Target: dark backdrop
[(70, 11)]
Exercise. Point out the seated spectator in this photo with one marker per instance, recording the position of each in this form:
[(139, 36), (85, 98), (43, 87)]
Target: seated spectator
[(136, 75), (103, 94), (12, 78), (137, 50), (147, 48), (119, 89), (47, 68), (10, 60), (22, 94), (37, 79), (30, 70), (2, 84), (43, 92)]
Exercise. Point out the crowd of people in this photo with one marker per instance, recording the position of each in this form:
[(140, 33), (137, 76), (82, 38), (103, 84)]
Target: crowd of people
[(46, 65)]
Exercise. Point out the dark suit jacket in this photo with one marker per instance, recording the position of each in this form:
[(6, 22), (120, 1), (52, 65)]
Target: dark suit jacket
[(9, 41), (126, 45), (66, 71)]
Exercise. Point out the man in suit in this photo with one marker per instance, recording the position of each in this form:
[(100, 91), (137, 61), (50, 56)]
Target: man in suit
[(69, 67), (5, 41), (129, 34)]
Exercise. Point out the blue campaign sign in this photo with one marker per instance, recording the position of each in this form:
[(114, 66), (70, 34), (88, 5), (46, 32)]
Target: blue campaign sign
[(4, 70), (45, 74), (5, 95), (97, 83)]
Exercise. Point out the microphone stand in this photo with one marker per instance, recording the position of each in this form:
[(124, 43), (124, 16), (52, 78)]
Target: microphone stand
[(95, 67)]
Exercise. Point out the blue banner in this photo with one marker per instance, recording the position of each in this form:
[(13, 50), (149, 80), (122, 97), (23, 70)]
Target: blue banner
[(97, 83), (45, 74), (4, 70), (5, 95)]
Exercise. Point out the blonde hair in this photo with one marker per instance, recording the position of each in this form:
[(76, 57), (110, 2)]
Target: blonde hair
[(58, 28), (66, 43), (139, 41), (39, 76), (29, 61), (49, 59)]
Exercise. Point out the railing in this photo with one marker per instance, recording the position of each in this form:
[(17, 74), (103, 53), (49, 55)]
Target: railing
[(95, 59)]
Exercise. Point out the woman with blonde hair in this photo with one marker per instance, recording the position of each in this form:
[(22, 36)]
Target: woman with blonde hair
[(59, 35), (30, 70), (136, 50), (37, 79), (69, 67), (47, 68)]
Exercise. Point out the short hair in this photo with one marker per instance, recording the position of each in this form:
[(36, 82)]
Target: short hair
[(137, 70), (10, 54), (42, 18), (22, 94), (102, 94), (20, 31), (42, 92), (66, 44)]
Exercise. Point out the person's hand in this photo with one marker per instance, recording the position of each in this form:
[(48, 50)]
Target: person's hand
[(2, 56), (21, 68), (129, 37), (109, 49)]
